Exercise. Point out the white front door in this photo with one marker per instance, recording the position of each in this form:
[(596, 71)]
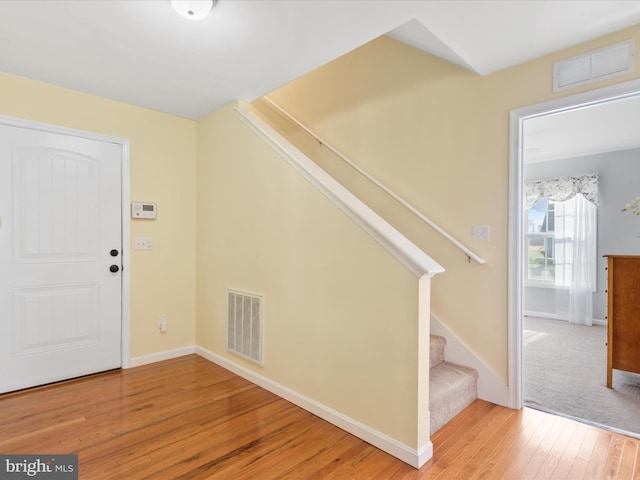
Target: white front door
[(60, 239)]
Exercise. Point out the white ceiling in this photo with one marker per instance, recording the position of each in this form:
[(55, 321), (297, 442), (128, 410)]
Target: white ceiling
[(599, 128), (141, 52)]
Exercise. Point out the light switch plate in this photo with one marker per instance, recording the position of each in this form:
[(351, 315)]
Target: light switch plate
[(480, 233), (142, 243)]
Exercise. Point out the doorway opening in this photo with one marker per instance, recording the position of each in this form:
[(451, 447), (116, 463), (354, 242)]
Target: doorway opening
[(556, 365)]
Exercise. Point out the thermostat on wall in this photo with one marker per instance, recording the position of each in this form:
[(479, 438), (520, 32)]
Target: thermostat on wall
[(143, 210)]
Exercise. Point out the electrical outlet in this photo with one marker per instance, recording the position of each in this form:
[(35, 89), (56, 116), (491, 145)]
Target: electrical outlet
[(162, 323)]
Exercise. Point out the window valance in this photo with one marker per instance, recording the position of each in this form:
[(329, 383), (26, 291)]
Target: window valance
[(562, 189)]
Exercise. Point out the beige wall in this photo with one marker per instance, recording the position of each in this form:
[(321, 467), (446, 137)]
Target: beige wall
[(341, 314), (162, 168), (439, 136)]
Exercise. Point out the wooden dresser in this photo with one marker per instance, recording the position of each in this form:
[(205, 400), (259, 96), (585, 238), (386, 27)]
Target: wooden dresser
[(623, 314)]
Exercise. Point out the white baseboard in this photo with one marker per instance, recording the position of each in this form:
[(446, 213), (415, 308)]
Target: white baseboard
[(554, 316), (159, 356), (415, 458), (490, 387)]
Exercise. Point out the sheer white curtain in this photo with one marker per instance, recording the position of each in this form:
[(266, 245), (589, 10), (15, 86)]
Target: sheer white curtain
[(575, 241), (575, 238)]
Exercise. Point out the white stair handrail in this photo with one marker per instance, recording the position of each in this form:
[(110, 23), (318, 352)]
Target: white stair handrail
[(379, 184), (412, 257)]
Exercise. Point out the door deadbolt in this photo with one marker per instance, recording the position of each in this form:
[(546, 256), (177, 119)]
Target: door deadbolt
[(114, 253)]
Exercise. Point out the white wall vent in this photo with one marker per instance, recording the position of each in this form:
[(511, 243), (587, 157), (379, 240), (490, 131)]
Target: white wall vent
[(244, 325), (607, 62)]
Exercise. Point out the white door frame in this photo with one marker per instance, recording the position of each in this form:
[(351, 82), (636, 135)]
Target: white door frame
[(516, 253), (125, 200)]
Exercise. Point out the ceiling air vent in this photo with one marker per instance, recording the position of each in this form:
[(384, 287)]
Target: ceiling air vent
[(607, 62), (244, 325)]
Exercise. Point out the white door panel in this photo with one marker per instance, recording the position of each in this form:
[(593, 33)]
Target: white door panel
[(56, 224), (60, 305)]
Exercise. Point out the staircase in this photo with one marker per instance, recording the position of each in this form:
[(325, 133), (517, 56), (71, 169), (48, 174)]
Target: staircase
[(452, 387)]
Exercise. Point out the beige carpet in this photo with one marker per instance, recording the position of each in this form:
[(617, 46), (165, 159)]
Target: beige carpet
[(565, 369)]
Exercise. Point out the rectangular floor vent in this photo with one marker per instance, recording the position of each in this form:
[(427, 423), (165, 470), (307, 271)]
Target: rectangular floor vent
[(244, 325)]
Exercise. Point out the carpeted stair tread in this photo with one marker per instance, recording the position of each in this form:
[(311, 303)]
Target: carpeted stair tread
[(436, 350), (452, 387)]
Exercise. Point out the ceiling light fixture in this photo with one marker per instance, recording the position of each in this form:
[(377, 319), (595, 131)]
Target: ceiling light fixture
[(193, 9)]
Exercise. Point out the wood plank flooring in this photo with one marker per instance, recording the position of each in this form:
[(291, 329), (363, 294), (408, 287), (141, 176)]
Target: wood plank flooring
[(187, 418)]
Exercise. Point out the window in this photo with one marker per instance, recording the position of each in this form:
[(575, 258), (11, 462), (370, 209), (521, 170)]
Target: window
[(554, 245), (561, 236), (540, 246)]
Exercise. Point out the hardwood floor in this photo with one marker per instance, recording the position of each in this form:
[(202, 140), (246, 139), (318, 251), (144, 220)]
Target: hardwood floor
[(187, 418)]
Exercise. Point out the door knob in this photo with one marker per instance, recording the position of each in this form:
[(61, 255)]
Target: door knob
[(114, 268)]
